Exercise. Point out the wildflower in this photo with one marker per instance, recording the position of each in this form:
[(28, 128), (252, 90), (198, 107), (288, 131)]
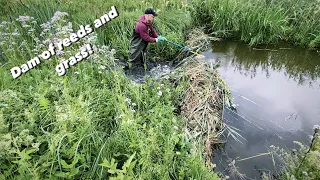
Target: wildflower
[(158, 87), (41, 45), (59, 52), (99, 72), (121, 115), (70, 25), (47, 41), (34, 22), (133, 104), (175, 127), (29, 138), (113, 51), (4, 22), (316, 128), (304, 173), (294, 150), (57, 16), (45, 25), (92, 39), (57, 40), (15, 34), (102, 67), (76, 72), (159, 93), (132, 110), (161, 84), (178, 153), (36, 145), (127, 100), (26, 26), (23, 18), (166, 77)]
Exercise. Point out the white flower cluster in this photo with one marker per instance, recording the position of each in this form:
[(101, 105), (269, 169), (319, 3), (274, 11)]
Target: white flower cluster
[(24, 18), (58, 15)]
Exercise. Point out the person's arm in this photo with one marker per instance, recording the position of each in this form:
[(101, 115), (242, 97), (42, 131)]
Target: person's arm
[(153, 32), (142, 30)]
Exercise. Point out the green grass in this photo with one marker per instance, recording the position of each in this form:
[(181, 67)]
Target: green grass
[(93, 122), (260, 22), (67, 126), (172, 21)]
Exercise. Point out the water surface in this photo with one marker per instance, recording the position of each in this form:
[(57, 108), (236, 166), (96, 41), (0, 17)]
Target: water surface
[(276, 90)]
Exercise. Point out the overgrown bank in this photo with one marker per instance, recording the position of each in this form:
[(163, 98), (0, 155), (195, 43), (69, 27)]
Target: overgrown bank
[(257, 22), (93, 122), (67, 126)]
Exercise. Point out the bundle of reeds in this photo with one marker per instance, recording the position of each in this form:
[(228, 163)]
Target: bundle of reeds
[(202, 106), (199, 40)]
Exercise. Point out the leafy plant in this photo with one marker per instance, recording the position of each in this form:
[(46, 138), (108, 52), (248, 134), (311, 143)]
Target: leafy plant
[(123, 173)]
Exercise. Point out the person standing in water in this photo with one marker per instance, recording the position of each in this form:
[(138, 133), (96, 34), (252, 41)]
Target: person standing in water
[(143, 34)]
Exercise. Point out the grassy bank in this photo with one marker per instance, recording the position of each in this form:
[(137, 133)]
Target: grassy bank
[(92, 123), (84, 127), (257, 22), (172, 22)]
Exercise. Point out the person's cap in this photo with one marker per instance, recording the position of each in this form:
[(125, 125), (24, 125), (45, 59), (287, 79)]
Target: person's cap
[(151, 11)]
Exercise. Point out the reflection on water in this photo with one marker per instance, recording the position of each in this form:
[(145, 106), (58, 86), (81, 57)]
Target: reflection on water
[(277, 93), (302, 66)]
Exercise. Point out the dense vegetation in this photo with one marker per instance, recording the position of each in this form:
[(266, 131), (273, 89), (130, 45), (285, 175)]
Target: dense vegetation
[(266, 21), (94, 122)]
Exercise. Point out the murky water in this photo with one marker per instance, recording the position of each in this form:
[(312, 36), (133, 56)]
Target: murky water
[(276, 90)]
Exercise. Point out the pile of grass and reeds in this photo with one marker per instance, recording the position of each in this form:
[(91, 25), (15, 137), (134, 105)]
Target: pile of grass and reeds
[(260, 22), (91, 123), (202, 105)]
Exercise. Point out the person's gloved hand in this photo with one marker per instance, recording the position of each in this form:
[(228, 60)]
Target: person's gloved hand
[(160, 38)]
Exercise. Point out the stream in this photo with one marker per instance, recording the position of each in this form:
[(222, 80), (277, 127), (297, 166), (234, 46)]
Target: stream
[(276, 92)]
